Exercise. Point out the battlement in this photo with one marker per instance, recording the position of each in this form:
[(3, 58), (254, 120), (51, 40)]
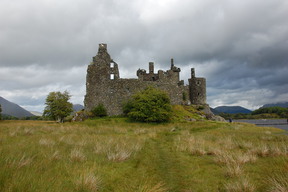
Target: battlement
[(171, 75), (104, 85)]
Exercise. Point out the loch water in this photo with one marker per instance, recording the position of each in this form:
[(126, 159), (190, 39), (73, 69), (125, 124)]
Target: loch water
[(278, 123)]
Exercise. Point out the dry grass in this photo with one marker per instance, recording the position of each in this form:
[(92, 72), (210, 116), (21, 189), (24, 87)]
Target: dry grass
[(47, 142), (118, 154), (279, 182), (88, 182), (23, 161), (265, 150), (77, 155), (56, 156), (235, 158), (234, 170), (192, 145), (119, 148), (241, 185), (147, 187)]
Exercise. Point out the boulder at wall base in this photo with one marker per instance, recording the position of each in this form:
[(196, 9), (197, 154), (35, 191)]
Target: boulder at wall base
[(210, 116)]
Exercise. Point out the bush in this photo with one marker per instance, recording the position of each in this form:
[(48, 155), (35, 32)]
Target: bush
[(99, 111), (58, 106), (149, 105)]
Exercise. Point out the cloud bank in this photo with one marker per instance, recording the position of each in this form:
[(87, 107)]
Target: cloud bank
[(240, 47)]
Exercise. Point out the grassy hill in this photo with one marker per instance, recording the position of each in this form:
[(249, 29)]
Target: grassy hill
[(114, 154), (232, 109)]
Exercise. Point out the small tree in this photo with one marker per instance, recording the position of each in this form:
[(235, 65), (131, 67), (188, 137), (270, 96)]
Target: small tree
[(99, 111), (58, 106), (149, 105)]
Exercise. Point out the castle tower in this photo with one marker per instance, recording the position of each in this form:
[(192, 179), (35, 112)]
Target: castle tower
[(151, 67), (197, 89), (100, 72)]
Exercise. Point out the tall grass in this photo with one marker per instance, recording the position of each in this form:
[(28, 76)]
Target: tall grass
[(88, 181), (241, 185), (115, 155)]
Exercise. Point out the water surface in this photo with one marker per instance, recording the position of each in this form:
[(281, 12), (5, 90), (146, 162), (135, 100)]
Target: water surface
[(278, 123)]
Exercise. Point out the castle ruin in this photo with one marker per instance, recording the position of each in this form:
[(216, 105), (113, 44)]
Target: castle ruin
[(104, 85)]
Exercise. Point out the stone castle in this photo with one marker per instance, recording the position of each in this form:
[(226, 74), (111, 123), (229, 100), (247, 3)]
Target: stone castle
[(104, 85)]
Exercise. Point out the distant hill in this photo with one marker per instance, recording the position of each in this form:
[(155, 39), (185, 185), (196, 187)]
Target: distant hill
[(214, 111), (77, 107), (12, 109), (232, 109), (282, 104)]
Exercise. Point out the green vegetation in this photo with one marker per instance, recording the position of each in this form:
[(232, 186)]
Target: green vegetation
[(9, 117), (113, 154), (149, 105), (58, 106), (0, 112), (262, 113), (99, 111), (280, 111), (182, 113)]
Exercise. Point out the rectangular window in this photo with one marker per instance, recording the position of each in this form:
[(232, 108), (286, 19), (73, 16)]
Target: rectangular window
[(112, 76), (112, 65)]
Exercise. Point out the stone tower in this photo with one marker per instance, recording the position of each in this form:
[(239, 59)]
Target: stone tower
[(197, 88), (100, 73)]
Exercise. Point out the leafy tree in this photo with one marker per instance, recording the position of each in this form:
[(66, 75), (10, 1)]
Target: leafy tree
[(149, 105), (99, 111), (58, 106)]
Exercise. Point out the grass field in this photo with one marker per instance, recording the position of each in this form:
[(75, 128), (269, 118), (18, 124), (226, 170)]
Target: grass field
[(116, 155)]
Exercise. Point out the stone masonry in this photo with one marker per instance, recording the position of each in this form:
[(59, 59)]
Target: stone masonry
[(104, 85)]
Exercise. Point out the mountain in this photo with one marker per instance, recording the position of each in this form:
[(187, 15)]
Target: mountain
[(12, 109), (214, 111), (282, 104), (78, 107), (232, 109)]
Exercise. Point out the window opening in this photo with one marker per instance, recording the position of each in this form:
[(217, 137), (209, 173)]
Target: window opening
[(112, 76)]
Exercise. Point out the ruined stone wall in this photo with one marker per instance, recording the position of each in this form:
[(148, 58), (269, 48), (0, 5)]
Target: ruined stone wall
[(101, 88), (114, 93)]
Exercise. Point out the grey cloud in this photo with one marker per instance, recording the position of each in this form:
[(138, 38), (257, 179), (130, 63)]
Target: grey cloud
[(240, 47)]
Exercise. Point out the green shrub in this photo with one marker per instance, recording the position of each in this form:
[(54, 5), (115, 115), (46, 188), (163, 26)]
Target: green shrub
[(184, 96), (99, 111), (149, 105), (58, 106)]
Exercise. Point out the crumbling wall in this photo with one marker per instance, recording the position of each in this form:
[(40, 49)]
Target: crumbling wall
[(113, 92)]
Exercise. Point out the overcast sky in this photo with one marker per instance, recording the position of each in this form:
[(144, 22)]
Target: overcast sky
[(240, 47)]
